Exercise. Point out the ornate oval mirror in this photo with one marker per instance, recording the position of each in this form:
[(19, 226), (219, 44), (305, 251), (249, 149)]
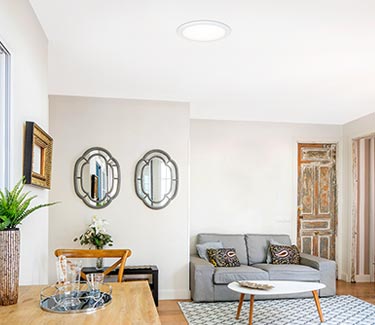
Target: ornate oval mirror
[(156, 179), (97, 178)]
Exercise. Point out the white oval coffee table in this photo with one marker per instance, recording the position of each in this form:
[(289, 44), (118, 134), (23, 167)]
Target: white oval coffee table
[(279, 288)]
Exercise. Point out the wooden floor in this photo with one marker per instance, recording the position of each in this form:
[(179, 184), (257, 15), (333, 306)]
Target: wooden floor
[(170, 313), (364, 291)]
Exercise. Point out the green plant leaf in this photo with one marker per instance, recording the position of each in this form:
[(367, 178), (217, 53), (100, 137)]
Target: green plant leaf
[(14, 206)]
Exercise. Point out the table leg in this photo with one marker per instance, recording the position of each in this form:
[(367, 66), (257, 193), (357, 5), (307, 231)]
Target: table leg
[(240, 305), (317, 303), (251, 309)]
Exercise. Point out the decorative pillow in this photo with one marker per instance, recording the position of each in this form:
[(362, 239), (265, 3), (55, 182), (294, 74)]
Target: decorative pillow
[(269, 256), (202, 248), (284, 254), (223, 257)]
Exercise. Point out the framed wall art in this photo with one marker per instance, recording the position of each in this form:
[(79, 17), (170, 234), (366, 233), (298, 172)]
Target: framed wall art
[(37, 163)]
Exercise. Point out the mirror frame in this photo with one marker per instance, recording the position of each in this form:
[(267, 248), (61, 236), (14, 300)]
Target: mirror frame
[(138, 176), (77, 177)]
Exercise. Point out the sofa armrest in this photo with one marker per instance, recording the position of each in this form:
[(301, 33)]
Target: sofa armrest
[(201, 279), (327, 270)]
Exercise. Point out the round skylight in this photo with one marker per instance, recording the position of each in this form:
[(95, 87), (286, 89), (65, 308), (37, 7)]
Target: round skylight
[(203, 30)]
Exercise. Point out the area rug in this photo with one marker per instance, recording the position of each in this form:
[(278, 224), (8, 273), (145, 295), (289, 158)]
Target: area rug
[(346, 310)]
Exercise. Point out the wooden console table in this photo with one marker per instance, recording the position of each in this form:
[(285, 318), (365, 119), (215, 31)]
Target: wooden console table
[(132, 303), (137, 270)]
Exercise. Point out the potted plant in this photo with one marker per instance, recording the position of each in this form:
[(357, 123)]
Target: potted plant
[(14, 208), (96, 236)]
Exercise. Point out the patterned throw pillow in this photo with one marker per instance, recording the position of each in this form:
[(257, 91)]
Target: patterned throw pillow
[(269, 255), (223, 257), (284, 254)]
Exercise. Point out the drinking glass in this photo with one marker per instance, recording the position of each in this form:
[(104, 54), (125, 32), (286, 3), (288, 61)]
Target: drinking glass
[(70, 291), (74, 274), (94, 282)]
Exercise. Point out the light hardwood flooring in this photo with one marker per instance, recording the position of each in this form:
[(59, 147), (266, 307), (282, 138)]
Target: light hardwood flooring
[(170, 313), (364, 291)]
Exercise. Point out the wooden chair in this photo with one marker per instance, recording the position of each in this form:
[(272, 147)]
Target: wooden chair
[(122, 254)]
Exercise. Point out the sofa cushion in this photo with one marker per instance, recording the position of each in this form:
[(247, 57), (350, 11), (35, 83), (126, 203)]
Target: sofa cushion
[(202, 248), (284, 254), (257, 246), (223, 257), (289, 272), (225, 275), (269, 256), (229, 241)]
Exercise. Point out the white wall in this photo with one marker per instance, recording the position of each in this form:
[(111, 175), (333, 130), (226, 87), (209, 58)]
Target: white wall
[(357, 128), (128, 129), (21, 33), (244, 175)]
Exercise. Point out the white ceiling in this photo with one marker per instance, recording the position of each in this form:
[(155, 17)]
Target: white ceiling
[(293, 60)]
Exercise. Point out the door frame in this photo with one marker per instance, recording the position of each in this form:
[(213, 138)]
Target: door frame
[(354, 143), (5, 111)]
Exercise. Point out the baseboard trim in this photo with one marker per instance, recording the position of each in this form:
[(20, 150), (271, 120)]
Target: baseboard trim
[(174, 294), (363, 278)]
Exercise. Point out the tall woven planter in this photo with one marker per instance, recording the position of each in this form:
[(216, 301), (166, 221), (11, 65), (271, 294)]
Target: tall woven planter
[(9, 266)]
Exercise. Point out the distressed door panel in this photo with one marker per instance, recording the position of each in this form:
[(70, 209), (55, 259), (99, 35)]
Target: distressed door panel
[(307, 190), (306, 245), (317, 199), (324, 246), (324, 189)]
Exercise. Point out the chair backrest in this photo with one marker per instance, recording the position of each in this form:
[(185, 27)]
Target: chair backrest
[(122, 254)]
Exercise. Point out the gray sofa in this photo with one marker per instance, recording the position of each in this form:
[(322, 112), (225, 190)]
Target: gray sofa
[(209, 283)]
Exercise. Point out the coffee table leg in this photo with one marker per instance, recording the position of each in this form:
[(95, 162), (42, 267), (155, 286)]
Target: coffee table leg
[(317, 303), (251, 309), (240, 305)]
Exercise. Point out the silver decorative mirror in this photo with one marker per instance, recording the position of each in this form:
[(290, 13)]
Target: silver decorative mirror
[(97, 178), (156, 179)]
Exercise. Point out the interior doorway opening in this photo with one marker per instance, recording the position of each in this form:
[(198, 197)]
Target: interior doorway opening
[(363, 250)]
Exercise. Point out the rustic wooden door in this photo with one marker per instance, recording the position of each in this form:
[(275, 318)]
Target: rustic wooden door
[(317, 203)]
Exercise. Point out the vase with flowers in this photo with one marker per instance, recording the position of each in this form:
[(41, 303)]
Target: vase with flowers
[(96, 236)]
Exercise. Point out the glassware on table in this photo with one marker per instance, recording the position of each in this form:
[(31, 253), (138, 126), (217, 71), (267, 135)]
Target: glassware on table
[(69, 275), (74, 274), (61, 265), (94, 283), (53, 299)]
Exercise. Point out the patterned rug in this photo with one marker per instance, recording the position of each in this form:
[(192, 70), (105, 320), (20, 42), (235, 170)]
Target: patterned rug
[(346, 310)]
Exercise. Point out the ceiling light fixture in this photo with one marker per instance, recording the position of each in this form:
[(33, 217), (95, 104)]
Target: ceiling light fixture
[(203, 30)]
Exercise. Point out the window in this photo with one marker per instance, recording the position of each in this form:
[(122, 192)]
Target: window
[(4, 117)]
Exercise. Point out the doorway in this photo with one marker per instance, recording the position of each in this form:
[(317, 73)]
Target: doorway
[(363, 231), (317, 200)]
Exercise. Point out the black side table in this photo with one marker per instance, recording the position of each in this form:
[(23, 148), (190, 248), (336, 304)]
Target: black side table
[(136, 270)]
